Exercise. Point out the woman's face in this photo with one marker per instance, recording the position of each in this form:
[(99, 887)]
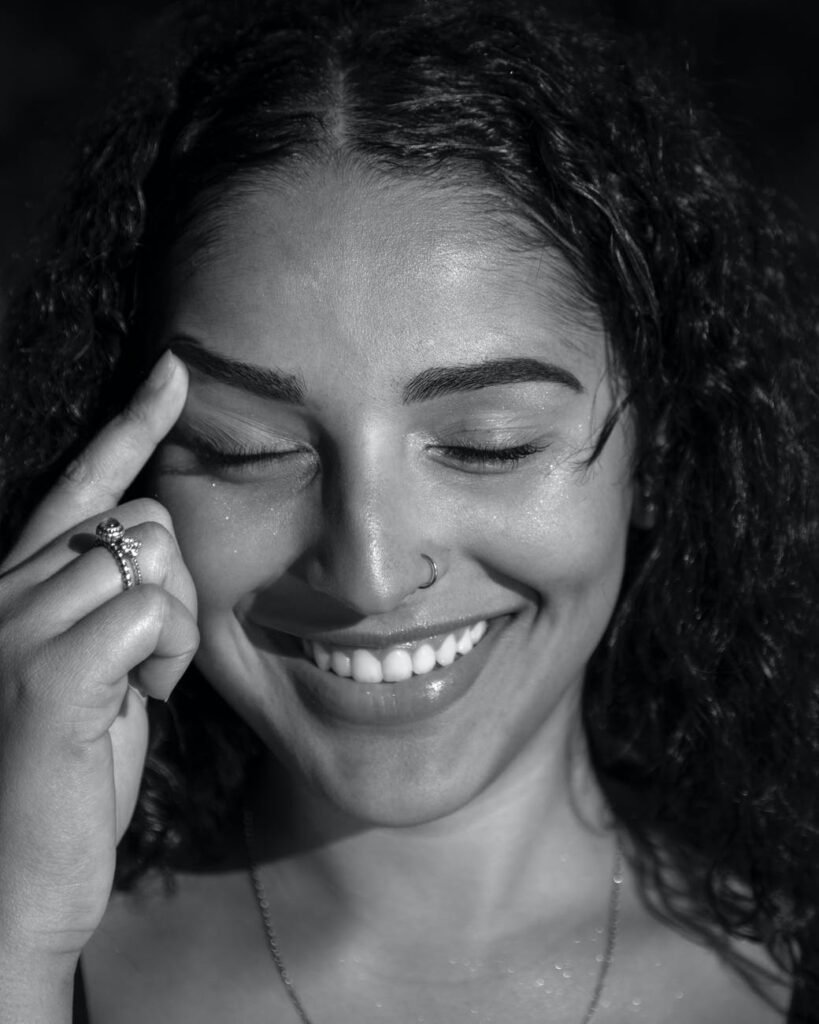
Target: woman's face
[(377, 373)]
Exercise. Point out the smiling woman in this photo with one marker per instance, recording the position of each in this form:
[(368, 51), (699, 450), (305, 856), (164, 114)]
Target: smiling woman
[(469, 504), (360, 472)]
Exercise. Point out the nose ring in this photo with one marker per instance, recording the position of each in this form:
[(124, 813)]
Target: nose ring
[(433, 572)]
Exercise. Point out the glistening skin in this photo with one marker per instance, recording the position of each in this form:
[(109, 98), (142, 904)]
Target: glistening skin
[(303, 512)]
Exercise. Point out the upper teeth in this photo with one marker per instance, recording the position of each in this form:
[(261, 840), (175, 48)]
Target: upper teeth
[(396, 663)]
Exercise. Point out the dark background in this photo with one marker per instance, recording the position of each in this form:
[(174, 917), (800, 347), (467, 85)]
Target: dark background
[(756, 58)]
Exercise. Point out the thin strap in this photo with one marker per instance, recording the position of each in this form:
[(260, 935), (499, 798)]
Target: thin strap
[(80, 1009)]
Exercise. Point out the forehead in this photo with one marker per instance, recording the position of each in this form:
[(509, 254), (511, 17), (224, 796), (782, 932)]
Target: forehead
[(378, 263)]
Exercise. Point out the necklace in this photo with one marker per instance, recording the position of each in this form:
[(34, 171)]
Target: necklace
[(276, 956)]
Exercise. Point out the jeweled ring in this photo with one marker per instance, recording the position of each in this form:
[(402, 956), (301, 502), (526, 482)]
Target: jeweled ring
[(433, 572), (124, 550)]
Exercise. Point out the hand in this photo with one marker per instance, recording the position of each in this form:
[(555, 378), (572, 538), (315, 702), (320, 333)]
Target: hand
[(73, 732)]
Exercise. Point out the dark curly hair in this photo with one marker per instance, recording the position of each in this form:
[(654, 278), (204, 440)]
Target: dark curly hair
[(700, 703)]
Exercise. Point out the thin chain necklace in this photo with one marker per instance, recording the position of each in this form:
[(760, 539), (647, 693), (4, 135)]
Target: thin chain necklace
[(276, 956)]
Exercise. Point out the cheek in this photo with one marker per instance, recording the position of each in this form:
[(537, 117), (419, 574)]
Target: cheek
[(233, 540), (564, 541)]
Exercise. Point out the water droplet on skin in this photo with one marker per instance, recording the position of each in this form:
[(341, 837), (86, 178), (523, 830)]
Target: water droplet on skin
[(636, 1002), (567, 974), (558, 967), (540, 983), (600, 958)]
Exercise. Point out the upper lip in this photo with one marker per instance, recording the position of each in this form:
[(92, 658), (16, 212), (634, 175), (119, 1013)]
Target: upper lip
[(396, 638)]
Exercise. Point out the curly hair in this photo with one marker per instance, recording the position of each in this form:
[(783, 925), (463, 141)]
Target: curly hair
[(700, 704)]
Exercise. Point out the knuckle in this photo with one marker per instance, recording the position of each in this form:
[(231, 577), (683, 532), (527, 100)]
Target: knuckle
[(157, 536), (149, 510), (19, 633), (158, 550), (151, 601), (28, 677), (36, 668), (82, 472), (190, 638), (193, 646)]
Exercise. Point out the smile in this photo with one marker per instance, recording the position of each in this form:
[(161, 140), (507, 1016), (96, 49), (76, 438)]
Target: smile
[(395, 664)]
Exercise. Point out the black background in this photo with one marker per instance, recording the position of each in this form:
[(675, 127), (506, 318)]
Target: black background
[(756, 58)]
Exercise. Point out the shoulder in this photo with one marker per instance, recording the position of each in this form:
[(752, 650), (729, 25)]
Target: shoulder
[(182, 953), (671, 977)]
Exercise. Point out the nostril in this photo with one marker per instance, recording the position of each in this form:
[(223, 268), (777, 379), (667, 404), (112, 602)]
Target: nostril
[(367, 554), (359, 586)]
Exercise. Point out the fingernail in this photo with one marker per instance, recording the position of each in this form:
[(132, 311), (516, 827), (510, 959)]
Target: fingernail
[(163, 370), (137, 690)]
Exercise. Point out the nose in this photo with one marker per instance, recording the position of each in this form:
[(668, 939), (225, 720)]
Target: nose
[(368, 554)]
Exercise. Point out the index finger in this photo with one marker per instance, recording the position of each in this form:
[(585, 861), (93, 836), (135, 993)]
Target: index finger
[(99, 476)]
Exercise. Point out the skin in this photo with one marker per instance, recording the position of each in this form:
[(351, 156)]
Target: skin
[(355, 288), (76, 653), (501, 862), (426, 869)]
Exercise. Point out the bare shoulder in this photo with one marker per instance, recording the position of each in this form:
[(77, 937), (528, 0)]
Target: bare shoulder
[(185, 953), (663, 976)]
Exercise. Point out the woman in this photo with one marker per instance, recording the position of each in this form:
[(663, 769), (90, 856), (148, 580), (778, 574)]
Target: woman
[(474, 471)]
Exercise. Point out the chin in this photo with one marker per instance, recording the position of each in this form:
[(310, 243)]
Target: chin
[(392, 804)]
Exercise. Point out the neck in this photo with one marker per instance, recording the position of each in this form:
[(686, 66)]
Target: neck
[(531, 845)]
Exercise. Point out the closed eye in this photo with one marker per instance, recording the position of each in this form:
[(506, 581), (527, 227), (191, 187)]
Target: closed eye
[(211, 456), (222, 454), (487, 457)]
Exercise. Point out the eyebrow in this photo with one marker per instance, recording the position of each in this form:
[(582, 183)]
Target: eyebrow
[(446, 380), (434, 382), (258, 380)]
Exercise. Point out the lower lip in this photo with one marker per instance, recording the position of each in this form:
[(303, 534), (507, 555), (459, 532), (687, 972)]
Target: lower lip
[(405, 702)]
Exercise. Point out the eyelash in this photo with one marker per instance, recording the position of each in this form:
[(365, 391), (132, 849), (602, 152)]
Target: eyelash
[(210, 455), (472, 455), (485, 455)]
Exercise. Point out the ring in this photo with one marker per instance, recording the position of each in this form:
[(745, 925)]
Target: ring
[(433, 572), (124, 550)]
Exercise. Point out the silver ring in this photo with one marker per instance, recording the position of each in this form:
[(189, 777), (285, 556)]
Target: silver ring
[(433, 572), (124, 550)]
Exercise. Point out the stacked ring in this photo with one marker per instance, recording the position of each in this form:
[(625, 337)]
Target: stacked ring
[(124, 551)]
